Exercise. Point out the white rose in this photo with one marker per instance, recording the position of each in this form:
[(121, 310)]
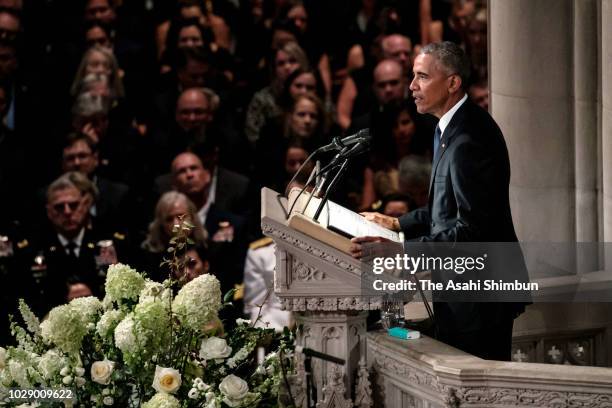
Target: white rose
[(214, 348), (166, 380), (234, 389), (80, 371), (101, 371), (2, 358), (108, 401)]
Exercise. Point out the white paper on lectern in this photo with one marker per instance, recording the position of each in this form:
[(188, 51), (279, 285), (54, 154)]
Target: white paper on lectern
[(337, 218)]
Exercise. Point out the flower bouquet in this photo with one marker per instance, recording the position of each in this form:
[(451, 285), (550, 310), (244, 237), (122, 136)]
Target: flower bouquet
[(145, 346)]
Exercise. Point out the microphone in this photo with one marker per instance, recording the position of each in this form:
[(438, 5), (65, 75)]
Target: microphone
[(313, 353), (339, 144)]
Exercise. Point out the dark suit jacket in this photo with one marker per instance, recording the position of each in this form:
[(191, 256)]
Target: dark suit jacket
[(468, 202), (230, 194)]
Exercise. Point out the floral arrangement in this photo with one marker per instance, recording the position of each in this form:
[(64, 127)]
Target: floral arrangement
[(144, 346)]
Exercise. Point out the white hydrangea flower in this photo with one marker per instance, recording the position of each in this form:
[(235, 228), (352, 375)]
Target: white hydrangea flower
[(89, 307), (50, 363), (154, 290), (108, 322), (19, 373), (198, 302), (65, 328), (2, 358), (123, 282), (162, 400), (125, 340)]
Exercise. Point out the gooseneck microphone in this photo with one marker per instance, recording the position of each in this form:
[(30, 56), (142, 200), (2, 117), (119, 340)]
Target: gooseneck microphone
[(339, 144)]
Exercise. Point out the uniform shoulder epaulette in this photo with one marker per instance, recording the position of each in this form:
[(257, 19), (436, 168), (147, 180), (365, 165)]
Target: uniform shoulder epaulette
[(22, 244), (119, 236), (260, 243)]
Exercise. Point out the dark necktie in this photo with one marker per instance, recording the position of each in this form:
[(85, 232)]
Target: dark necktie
[(71, 250), (437, 137)]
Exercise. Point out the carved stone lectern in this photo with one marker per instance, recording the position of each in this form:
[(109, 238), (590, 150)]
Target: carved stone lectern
[(322, 285)]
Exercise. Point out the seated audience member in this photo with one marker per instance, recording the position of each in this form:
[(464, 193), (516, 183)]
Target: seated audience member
[(264, 104), (99, 34), (259, 298), (191, 34), (194, 10), (409, 134), (306, 123), (219, 190), (414, 174), (397, 204), (297, 14), (169, 208), (479, 93), (110, 207), (192, 67), (101, 61), (117, 145), (356, 93), (69, 250), (300, 82), (260, 302)]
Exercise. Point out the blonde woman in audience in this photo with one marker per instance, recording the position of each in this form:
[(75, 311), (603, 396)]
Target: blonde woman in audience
[(169, 208), (101, 61)]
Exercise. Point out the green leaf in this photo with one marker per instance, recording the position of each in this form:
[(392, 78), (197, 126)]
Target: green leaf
[(170, 249), (229, 296)]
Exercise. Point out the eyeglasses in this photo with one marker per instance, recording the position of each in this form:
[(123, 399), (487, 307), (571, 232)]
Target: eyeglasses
[(61, 207), (81, 156)]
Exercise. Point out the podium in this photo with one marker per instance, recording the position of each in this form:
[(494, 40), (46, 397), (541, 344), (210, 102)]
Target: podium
[(320, 282)]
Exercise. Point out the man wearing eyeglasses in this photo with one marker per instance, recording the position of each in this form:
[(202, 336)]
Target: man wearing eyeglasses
[(110, 209), (70, 255)]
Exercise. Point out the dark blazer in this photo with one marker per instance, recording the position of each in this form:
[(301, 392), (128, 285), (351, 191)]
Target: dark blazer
[(230, 194), (468, 202), (468, 189)]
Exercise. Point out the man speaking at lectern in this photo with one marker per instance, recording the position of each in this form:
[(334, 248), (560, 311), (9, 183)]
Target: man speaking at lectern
[(468, 195)]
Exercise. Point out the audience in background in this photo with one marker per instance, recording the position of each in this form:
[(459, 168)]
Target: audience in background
[(213, 99)]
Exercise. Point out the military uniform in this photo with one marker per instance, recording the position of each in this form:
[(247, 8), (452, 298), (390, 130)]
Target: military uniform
[(258, 281), (49, 267)]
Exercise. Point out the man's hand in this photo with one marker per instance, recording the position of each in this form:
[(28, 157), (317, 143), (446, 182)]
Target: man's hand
[(391, 223), (356, 248)]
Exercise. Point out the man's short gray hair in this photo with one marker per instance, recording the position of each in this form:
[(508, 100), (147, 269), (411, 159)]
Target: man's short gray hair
[(73, 179), (451, 58)]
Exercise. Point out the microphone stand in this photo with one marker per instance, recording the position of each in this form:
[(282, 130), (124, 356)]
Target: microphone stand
[(333, 183), (311, 390)]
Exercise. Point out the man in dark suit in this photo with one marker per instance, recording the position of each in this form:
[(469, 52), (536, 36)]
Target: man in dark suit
[(110, 208), (468, 195)]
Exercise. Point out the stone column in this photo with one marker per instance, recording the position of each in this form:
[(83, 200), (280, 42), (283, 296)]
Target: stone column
[(585, 118), (531, 89), (606, 116), (586, 86)]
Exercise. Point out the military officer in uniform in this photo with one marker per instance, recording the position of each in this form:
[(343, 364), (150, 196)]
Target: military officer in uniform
[(69, 258)]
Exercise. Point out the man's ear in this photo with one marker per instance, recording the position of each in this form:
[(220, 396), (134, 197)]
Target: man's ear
[(455, 83)]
